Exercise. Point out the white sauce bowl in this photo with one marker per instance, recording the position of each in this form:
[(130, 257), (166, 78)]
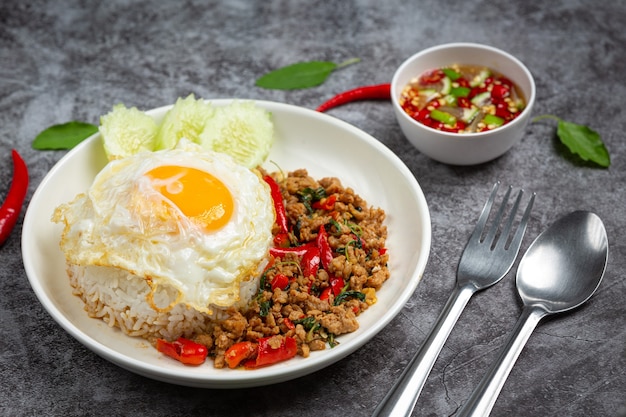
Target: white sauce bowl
[(463, 148)]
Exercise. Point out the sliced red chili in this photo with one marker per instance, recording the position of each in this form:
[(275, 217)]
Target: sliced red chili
[(326, 252), (280, 281), (500, 91), (281, 240), (423, 116), (239, 352), (326, 293), (462, 82), (311, 262), (327, 203), (12, 206), (184, 350), (505, 81), (279, 204), (267, 354), (295, 250), (432, 77), (464, 102), (368, 92), (502, 111), (288, 323), (336, 285)]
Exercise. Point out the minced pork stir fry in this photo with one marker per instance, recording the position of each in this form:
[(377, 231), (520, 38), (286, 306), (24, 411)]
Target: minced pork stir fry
[(328, 260)]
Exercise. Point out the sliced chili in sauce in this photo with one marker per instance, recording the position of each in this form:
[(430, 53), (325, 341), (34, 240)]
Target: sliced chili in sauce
[(462, 99)]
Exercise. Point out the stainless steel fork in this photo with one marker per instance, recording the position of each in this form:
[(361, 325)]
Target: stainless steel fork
[(486, 259)]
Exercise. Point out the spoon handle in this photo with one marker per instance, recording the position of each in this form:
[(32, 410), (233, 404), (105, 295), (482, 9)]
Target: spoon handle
[(401, 400), (486, 392)]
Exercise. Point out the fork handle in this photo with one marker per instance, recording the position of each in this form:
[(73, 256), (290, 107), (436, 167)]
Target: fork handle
[(486, 392), (401, 400)]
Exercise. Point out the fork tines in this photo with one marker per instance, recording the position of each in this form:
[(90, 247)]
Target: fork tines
[(496, 235)]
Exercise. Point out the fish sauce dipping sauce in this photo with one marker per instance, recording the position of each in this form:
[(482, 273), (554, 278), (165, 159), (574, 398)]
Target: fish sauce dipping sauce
[(462, 99), (463, 103)]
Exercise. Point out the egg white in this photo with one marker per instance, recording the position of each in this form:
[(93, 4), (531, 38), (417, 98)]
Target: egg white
[(121, 222)]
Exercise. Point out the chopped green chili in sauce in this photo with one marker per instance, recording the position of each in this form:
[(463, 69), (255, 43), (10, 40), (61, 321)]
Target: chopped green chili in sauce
[(462, 99)]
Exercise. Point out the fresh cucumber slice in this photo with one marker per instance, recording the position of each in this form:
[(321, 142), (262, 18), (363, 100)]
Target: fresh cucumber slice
[(242, 130), (186, 119), (126, 132)]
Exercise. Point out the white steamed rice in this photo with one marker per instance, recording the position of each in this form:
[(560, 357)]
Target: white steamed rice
[(120, 299)]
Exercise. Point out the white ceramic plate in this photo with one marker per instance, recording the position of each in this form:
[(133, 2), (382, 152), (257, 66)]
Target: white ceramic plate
[(325, 146)]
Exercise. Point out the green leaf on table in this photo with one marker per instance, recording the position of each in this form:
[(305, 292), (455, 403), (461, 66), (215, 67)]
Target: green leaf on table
[(64, 136), (581, 140), (300, 75)]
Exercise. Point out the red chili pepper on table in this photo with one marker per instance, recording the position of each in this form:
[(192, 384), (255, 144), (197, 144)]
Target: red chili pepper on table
[(368, 92), (279, 205), (184, 350), (12, 206)]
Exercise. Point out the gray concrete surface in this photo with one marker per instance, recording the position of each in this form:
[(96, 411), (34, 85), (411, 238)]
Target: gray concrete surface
[(72, 60)]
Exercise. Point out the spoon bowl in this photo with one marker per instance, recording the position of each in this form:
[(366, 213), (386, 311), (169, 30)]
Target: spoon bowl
[(560, 270), (563, 267)]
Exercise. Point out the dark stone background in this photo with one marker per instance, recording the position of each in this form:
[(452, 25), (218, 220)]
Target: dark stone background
[(72, 60)]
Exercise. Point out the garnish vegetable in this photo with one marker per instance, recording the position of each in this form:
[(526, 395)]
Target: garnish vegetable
[(581, 140), (279, 205), (266, 351), (240, 129), (133, 129), (300, 75), (183, 350), (186, 119), (10, 209), (368, 92), (63, 136), (462, 99)]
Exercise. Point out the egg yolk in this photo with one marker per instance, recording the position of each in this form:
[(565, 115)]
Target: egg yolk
[(199, 195)]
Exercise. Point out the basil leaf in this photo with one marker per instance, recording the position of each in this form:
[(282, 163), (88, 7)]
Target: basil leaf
[(345, 294), (295, 76), (300, 75), (583, 141), (63, 136)]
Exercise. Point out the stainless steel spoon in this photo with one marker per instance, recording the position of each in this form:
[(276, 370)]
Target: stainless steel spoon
[(561, 270)]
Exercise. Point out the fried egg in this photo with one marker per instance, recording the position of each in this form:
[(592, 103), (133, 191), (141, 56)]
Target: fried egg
[(188, 221)]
